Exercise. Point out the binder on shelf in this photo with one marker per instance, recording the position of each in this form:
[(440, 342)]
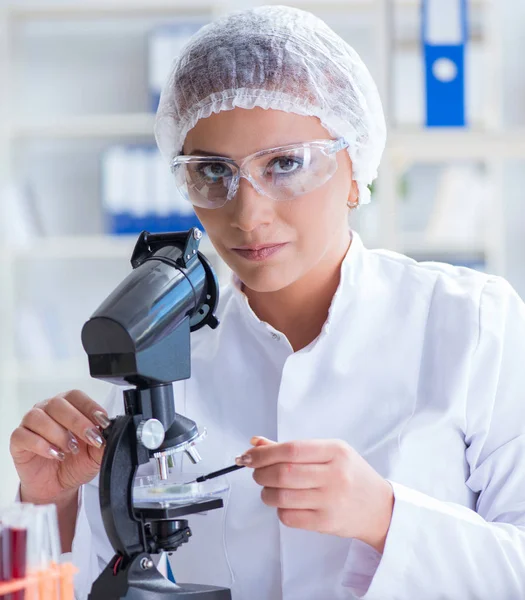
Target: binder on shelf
[(139, 193), (445, 35), (462, 205), (20, 219), (165, 44)]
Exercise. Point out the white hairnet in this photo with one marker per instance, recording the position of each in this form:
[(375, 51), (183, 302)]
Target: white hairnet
[(280, 58)]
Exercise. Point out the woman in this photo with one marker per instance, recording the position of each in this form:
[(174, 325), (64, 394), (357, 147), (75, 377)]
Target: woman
[(386, 395)]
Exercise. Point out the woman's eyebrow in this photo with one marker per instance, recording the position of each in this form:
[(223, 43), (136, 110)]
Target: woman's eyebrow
[(199, 152)]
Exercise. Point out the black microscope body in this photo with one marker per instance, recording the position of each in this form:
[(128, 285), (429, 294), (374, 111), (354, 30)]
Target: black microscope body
[(140, 337)]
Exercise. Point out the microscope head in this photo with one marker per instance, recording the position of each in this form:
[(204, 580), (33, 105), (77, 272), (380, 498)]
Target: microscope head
[(140, 335)]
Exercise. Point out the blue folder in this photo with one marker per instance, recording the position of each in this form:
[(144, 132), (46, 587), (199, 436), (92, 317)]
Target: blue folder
[(445, 67)]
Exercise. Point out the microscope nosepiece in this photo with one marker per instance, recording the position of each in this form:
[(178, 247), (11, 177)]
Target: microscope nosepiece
[(193, 454), (162, 467)]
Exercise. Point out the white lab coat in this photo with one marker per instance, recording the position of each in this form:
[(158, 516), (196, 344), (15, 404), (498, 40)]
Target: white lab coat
[(420, 368)]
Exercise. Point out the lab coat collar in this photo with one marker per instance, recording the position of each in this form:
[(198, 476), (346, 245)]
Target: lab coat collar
[(349, 274)]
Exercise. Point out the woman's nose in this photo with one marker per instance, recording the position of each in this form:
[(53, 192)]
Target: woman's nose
[(250, 209)]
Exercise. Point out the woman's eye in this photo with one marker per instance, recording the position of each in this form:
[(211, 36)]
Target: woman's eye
[(214, 171), (284, 165)]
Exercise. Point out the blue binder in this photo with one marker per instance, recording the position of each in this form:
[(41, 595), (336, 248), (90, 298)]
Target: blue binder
[(445, 64), (128, 200)]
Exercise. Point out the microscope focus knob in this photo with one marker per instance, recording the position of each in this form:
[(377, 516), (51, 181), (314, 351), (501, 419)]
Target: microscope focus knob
[(151, 433)]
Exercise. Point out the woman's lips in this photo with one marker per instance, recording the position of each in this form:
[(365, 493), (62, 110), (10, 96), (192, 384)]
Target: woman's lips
[(259, 253)]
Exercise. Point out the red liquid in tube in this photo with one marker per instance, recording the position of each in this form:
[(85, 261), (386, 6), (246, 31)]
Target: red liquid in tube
[(19, 558), (13, 558), (5, 566)]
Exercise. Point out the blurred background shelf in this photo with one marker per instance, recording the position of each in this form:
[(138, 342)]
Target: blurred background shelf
[(76, 247), (25, 11), (120, 8), (86, 127), (34, 371), (417, 244), (408, 142), (111, 8), (85, 247)]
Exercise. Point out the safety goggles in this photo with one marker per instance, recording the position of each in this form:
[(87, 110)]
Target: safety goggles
[(279, 173)]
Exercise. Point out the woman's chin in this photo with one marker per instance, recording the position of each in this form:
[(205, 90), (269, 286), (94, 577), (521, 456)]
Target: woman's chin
[(263, 279)]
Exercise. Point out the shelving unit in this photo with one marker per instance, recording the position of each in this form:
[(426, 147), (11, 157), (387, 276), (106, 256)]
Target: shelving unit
[(83, 247), (117, 126), (404, 143), (33, 11), (406, 146), (410, 145)]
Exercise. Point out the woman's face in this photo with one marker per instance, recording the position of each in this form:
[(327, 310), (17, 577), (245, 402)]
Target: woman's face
[(310, 229)]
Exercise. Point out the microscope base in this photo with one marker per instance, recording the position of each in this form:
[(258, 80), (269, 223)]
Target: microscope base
[(135, 583)]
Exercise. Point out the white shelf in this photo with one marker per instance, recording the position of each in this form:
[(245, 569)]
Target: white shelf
[(101, 10), (417, 244), (86, 127), (85, 247), (120, 8), (75, 247), (417, 3), (450, 144), (49, 370), (404, 144), (121, 248)]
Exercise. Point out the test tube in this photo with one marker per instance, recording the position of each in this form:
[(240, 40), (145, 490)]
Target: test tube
[(5, 567), (14, 547), (30, 548), (44, 550), (36, 546), (18, 534), (55, 547)]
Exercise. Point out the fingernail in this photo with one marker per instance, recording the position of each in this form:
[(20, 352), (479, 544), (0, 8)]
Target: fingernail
[(73, 444), (260, 441), (243, 460), (57, 454), (94, 437), (101, 419)]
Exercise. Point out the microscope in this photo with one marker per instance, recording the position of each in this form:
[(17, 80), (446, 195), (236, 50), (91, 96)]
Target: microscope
[(140, 337)]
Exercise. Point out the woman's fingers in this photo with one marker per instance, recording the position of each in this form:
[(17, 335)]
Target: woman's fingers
[(42, 424), (293, 499), (293, 475), (258, 440), (299, 519), (66, 413), (88, 407), (305, 451), (24, 441)]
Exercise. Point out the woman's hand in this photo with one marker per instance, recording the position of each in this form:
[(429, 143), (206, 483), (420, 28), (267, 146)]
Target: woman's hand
[(58, 447), (324, 486)]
